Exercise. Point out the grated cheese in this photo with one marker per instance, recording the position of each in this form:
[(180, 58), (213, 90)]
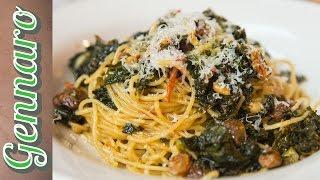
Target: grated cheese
[(216, 96), (177, 25), (277, 102), (159, 49), (256, 123)]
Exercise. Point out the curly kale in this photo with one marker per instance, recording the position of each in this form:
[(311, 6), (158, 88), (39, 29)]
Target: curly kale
[(216, 149), (212, 15), (116, 74), (65, 105), (103, 96), (141, 33), (236, 30), (303, 137), (226, 105), (64, 115), (239, 33), (142, 84), (268, 104), (262, 136), (88, 61)]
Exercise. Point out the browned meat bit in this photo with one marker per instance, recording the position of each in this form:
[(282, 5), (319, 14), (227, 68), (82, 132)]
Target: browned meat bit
[(180, 164), (70, 97), (259, 64), (202, 28), (185, 46), (280, 111), (195, 171), (237, 130), (270, 159)]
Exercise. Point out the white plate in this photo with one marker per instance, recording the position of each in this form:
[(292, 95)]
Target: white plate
[(286, 28)]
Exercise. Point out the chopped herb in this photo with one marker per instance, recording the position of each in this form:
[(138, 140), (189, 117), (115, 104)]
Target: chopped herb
[(103, 96), (88, 61), (141, 33), (262, 136), (63, 115), (216, 149), (303, 136), (209, 13), (116, 74), (268, 104), (239, 34)]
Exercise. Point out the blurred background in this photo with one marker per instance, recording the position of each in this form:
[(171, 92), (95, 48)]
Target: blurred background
[(59, 3)]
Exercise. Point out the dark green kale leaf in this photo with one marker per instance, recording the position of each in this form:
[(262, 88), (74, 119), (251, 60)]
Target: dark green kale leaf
[(116, 74), (213, 136), (226, 105), (216, 149), (239, 33), (66, 103), (209, 13), (303, 136), (194, 70), (88, 61), (103, 96), (143, 83), (235, 30), (141, 33), (130, 128), (268, 104), (262, 136), (64, 115), (77, 60)]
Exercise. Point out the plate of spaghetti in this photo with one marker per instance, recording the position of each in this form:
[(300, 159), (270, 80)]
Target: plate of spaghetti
[(188, 93)]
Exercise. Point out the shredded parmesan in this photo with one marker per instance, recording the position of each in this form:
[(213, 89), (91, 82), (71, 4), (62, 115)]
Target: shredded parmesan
[(176, 26), (256, 123), (277, 102), (213, 48)]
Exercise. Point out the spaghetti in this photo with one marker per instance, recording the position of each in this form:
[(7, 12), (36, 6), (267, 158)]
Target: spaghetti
[(149, 100)]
